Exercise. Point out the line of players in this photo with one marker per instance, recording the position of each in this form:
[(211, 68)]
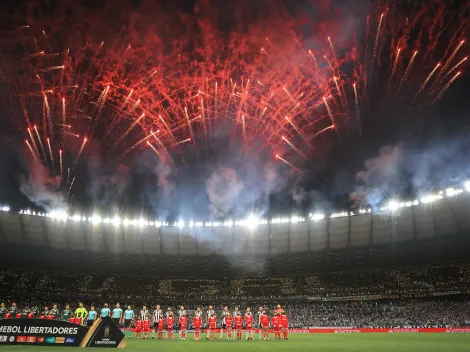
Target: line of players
[(232, 324)]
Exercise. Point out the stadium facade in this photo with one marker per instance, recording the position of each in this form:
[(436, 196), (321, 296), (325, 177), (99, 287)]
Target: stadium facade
[(419, 233)]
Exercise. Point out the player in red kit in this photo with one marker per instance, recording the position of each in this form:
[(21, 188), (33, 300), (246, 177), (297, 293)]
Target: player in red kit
[(197, 321), (276, 321), (138, 327), (284, 325), (212, 326), (264, 325), (146, 327), (238, 325), (161, 323), (183, 326), (169, 326), (249, 324), (228, 325), (278, 310)]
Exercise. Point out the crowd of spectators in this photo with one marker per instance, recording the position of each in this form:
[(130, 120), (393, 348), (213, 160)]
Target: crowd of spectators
[(427, 280)]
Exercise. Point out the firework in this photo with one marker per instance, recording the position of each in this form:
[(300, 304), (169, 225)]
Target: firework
[(293, 147), (61, 164), (31, 150), (444, 89), (272, 90), (50, 153), (79, 153), (288, 163), (153, 148)]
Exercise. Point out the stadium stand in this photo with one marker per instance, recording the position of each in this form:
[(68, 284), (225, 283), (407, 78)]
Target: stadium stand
[(419, 254)]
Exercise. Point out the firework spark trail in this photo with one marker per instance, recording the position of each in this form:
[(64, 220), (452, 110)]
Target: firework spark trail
[(297, 130), (293, 147), (50, 152), (79, 153), (153, 148), (68, 176), (395, 64), (323, 130), (330, 114), (451, 57), (443, 90), (134, 146), (52, 68), (167, 127), (446, 76), (244, 130), (288, 163), (203, 120), (376, 46), (191, 133), (48, 113), (61, 164), (427, 79), (71, 185), (72, 134), (64, 120), (101, 103), (335, 62), (356, 101), (181, 142), (340, 94), (35, 147), (32, 152), (40, 143), (407, 71), (116, 119), (131, 127)]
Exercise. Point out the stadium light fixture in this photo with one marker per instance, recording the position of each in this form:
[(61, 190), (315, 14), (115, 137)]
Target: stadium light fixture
[(251, 222), (116, 221), (451, 192), (466, 185), (393, 205), (180, 224), (430, 198), (5, 208), (317, 216), (96, 219), (76, 218), (191, 224)]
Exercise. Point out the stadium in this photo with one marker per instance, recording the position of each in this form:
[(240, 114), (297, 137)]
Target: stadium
[(282, 175)]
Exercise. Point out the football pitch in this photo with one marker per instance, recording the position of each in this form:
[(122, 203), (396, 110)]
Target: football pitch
[(426, 342)]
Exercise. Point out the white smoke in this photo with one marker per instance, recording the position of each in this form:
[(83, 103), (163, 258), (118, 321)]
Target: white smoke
[(223, 187), (380, 174), (41, 188)]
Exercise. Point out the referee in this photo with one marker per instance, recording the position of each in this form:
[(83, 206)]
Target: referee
[(128, 317), (117, 314)]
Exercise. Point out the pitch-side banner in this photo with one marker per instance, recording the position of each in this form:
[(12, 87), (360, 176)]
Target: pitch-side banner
[(40, 332)]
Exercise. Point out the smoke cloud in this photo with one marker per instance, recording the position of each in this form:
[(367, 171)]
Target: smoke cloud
[(41, 188), (409, 170), (222, 188)]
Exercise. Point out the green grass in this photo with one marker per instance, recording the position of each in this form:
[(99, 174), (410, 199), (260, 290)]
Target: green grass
[(427, 342)]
